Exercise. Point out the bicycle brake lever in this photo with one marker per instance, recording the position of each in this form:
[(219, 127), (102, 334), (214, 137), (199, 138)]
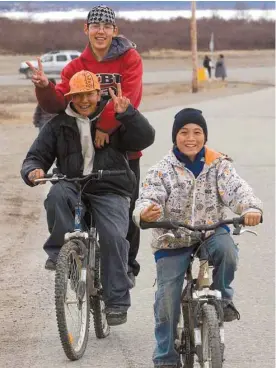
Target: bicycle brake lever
[(167, 235), (248, 231), (239, 231)]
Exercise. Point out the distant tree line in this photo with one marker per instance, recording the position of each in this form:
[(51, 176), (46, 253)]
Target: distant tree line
[(33, 38)]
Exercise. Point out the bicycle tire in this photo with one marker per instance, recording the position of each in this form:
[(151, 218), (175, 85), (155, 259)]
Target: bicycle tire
[(101, 326), (72, 351), (188, 359), (210, 334)]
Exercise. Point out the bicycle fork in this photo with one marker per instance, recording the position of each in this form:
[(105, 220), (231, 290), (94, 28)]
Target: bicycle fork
[(201, 294)]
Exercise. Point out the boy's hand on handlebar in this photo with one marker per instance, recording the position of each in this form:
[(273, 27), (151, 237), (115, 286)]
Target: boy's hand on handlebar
[(121, 103), (39, 79), (252, 218), (36, 174), (151, 213)]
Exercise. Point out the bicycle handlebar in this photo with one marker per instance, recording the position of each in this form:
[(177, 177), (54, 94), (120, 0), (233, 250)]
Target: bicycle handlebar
[(100, 174), (174, 225)]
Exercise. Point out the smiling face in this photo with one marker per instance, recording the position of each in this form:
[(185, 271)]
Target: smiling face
[(100, 36), (86, 102), (190, 140)]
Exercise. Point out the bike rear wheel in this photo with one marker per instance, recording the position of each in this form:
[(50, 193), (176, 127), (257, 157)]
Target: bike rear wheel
[(101, 326), (210, 336), (71, 300)]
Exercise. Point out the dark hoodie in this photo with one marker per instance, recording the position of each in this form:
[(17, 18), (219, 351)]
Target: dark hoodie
[(121, 64)]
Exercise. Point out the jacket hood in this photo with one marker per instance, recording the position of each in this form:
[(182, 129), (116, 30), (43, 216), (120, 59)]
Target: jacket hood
[(118, 47)]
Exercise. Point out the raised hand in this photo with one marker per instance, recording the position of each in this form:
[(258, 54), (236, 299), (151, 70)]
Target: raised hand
[(121, 103), (39, 79)]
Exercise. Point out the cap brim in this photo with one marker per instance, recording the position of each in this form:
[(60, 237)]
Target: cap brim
[(75, 93)]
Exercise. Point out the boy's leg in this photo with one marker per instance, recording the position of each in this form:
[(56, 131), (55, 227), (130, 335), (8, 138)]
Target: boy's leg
[(170, 276), (223, 254), (59, 204), (133, 235), (111, 213)]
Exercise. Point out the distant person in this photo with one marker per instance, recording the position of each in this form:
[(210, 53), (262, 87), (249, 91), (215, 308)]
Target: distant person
[(207, 63), (41, 117), (220, 71)]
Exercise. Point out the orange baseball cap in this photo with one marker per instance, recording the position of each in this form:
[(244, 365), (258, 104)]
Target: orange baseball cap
[(83, 81)]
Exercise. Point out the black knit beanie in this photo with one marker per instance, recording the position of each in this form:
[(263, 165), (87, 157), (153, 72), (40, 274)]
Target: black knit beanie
[(188, 116)]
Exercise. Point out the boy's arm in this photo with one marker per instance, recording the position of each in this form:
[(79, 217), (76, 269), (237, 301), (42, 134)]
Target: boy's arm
[(51, 98), (152, 191), (41, 155), (235, 192), (131, 82), (136, 133)]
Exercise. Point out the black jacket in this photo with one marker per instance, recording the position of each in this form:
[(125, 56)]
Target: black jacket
[(60, 139)]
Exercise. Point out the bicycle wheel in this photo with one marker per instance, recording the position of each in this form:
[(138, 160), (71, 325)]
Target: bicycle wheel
[(72, 301), (210, 335), (101, 326), (188, 358)]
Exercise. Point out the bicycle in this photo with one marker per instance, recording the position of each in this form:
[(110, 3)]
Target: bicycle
[(78, 275), (200, 328)]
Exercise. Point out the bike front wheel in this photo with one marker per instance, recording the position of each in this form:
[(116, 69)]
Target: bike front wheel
[(72, 300), (210, 336)]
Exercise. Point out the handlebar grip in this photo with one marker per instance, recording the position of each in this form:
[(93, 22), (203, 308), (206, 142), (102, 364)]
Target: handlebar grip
[(48, 176), (113, 172)]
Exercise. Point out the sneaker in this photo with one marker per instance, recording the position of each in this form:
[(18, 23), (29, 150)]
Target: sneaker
[(116, 318), (50, 264), (230, 312)]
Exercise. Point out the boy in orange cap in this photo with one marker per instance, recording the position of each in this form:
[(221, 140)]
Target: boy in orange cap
[(69, 139)]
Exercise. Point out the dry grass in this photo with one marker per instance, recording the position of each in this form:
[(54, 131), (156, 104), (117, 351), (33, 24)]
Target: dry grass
[(233, 34), (18, 105), (26, 94), (17, 94)]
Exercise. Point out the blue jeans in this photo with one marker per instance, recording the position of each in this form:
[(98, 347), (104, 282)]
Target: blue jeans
[(170, 277)]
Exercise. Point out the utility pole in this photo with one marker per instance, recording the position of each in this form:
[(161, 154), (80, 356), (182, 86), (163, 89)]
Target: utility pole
[(194, 48)]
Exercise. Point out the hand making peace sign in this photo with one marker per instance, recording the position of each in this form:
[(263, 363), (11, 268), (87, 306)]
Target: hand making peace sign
[(121, 103), (39, 78)]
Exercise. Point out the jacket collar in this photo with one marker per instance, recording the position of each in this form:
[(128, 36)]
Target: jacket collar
[(73, 115), (211, 157)]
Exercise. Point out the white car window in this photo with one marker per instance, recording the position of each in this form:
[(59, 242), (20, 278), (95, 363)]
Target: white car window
[(46, 59), (61, 57), (73, 56)]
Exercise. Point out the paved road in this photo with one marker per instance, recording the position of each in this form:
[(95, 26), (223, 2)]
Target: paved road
[(258, 75), (242, 126)]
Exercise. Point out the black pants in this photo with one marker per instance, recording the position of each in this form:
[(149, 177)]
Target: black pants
[(133, 235)]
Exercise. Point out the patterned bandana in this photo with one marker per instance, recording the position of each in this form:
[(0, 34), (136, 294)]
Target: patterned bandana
[(101, 14)]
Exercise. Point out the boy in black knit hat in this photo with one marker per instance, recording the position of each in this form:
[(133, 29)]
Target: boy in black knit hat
[(191, 184)]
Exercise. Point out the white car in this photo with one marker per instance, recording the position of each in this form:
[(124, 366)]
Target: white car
[(53, 62)]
